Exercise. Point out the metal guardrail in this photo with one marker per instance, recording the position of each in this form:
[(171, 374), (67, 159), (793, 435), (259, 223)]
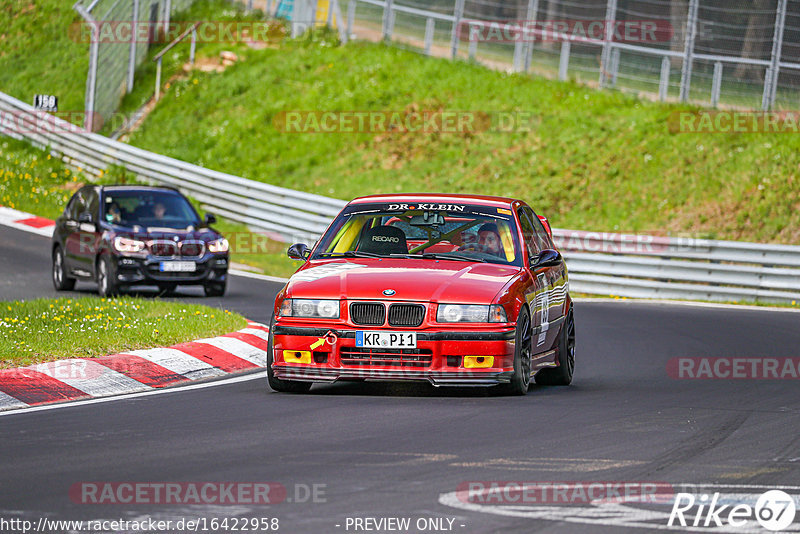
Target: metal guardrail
[(600, 263)]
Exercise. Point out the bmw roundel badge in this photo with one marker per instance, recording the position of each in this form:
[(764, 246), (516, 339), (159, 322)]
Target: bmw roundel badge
[(389, 292)]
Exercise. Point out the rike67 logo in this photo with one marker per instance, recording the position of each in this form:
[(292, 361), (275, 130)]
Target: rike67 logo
[(774, 510)]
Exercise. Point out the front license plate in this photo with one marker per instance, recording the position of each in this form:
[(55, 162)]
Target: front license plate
[(177, 267), (386, 340)]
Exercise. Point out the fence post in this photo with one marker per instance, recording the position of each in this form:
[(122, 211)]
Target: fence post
[(351, 14), (563, 61), (771, 78), (458, 14), (193, 47), (663, 81), (329, 19), (269, 8), (430, 27), (472, 50), (614, 66), (716, 84), (688, 50), (531, 15), (608, 37), (158, 79), (91, 80), (167, 14), (132, 52), (387, 15)]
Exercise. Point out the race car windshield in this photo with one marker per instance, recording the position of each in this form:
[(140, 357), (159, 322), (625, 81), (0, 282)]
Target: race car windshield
[(427, 231), (159, 209)]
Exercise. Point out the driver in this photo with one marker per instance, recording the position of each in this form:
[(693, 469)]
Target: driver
[(489, 240), (159, 210)]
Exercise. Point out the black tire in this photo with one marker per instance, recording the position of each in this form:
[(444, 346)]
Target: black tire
[(215, 289), (522, 356), (167, 288), (106, 279), (282, 386), (565, 350), (61, 281)]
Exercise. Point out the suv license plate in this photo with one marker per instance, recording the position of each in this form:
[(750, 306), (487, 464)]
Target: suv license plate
[(177, 267)]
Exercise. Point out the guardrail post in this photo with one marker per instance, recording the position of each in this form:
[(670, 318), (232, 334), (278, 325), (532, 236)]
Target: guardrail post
[(193, 46), (688, 50), (608, 37), (563, 61), (132, 52), (158, 79), (531, 17), (472, 50), (430, 27), (716, 84), (387, 15), (458, 14), (351, 15), (663, 81), (771, 78)]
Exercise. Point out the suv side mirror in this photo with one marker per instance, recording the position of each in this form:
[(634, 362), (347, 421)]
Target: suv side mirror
[(547, 258), (210, 219), (298, 251), (85, 217)]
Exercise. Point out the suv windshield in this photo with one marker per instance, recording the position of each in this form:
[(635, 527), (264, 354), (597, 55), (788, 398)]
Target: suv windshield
[(457, 232), (158, 209)]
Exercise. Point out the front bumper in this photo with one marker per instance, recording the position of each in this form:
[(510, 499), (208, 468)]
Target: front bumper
[(438, 358), (136, 270)]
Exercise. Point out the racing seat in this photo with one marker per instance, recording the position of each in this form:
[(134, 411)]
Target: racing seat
[(383, 240)]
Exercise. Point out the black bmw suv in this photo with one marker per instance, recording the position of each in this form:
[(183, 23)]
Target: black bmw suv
[(124, 235)]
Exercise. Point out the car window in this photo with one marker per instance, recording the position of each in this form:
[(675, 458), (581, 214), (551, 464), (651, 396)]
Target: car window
[(151, 208), (542, 238), (92, 205), (463, 232), (528, 233), (74, 207)]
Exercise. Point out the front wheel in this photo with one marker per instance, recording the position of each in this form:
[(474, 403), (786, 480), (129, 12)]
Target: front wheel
[(522, 356), (61, 281), (106, 279), (214, 289), (561, 375), (282, 386)]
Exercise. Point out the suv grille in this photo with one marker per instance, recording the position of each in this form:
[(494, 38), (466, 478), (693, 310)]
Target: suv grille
[(360, 357), (193, 249), (163, 248), (368, 313), (406, 314)]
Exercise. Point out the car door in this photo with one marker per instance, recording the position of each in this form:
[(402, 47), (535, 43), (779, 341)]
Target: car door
[(536, 292), (83, 239), (557, 275), (71, 239)]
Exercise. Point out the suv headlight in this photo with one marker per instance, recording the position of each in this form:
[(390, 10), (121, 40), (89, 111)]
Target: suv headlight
[(470, 313), (126, 244), (219, 245), (315, 308)]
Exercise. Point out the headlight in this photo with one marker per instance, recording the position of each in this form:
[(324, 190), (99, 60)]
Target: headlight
[(470, 313), (124, 244), (325, 309), (220, 245)]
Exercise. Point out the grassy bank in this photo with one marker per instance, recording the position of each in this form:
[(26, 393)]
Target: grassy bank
[(595, 160), (48, 329)]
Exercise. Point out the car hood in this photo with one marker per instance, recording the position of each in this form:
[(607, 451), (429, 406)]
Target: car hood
[(411, 280), (138, 232)]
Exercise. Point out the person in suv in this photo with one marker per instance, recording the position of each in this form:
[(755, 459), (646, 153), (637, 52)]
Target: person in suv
[(125, 235)]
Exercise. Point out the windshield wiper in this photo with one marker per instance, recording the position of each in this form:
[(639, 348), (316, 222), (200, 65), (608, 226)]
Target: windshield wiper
[(350, 254), (448, 256)]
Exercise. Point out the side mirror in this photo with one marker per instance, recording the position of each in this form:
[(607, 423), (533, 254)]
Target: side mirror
[(85, 217), (298, 251), (547, 258), (210, 219)]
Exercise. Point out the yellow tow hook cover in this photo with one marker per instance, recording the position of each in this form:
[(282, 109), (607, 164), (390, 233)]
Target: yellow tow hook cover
[(297, 356), (478, 362)]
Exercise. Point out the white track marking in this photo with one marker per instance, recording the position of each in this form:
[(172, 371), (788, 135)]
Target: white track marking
[(7, 402), (256, 332), (179, 362)]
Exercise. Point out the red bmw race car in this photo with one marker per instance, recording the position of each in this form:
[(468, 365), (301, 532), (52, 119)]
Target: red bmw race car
[(454, 290)]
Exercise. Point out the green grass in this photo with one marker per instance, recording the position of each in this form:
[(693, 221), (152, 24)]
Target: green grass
[(595, 160), (48, 329)]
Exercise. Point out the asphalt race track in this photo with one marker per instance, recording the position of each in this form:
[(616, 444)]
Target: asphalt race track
[(399, 450)]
